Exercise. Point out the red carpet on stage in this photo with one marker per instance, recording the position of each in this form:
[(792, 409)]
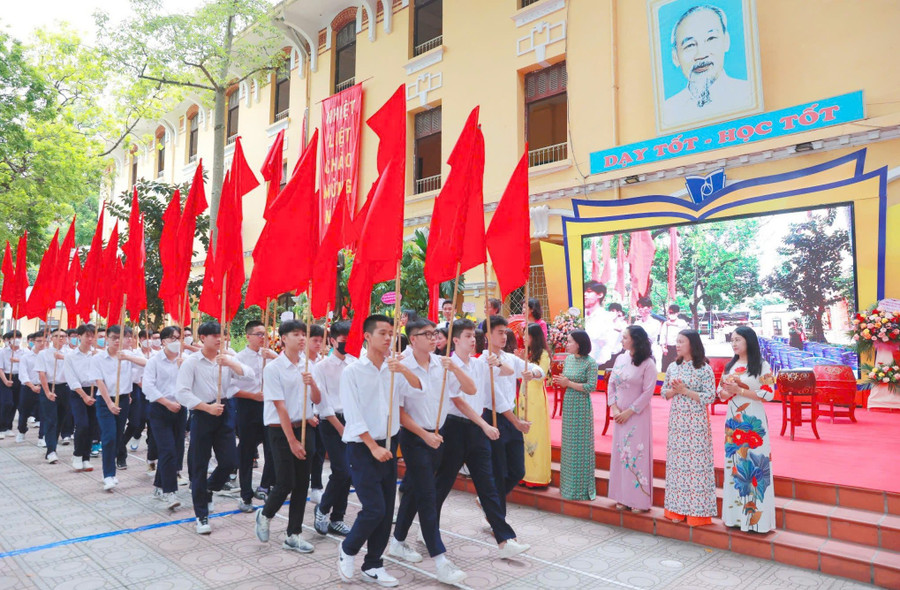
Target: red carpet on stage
[(861, 455)]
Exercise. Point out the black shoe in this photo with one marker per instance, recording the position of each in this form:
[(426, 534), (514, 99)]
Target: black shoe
[(121, 465)]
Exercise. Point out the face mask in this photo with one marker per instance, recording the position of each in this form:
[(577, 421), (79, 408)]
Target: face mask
[(17, 342), (188, 340), (174, 347), (673, 316), (155, 344), (101, 342), (73, 342), (31, 345), (341, 347), (145, 344)]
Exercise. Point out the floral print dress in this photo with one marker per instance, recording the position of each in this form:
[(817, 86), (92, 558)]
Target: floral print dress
[(749, 496), (690, 471), (577, 458), (631, 465)]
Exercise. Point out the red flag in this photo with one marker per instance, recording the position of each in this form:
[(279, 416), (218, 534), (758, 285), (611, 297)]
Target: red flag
[(509, 235), (109, 278), (69, 294), (457, 218), (271, 168), (434, 302), (194, 206), (620, 266), (62, 262), (209, 289), (604, 257), (21, 282), (640, 255), (91, 272), (295, 213), (325, 265), (674, 256), (168, 247), (7, 295), (135, 258), (116, 293), (595, 263), (42, 297)]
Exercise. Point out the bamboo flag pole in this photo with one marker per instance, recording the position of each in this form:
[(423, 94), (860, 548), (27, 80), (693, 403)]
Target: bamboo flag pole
[(447, 352), (121, 340), (265, 341), (306, 369), (524, 393), (487, 327), (222, 340), (184, 310), (55, 360), (396, 334)]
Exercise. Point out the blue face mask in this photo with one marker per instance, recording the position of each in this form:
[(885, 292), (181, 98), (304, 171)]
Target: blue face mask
[(101, 342), (31, 345), (73, 342)]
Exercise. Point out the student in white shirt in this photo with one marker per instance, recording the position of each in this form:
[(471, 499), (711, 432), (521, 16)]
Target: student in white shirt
[(286, 386), (468, 437), (366, 397), (112, 367), (10, 355), (330, 511), (314, 347), (166, 417), (30, 391), (137, 413), (55, 401), (82, 382), (668, 335), (422, 447), (212, 426)]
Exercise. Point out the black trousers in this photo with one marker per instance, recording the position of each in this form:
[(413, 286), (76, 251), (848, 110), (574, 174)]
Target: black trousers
[(29, 401), (507, 456), (467, 444), (334, 498), (9, 402), (669, 357), (52, 415), (85, 417), (419, 492), (376, 488), (291, 477), (318, 459), (249, 423), (134, 423), (210, 434), (169, 428)]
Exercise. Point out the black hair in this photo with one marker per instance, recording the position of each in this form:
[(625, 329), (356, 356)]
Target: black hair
[(538, 344), (34, 335), (101, 329), (53, 332), (403, 342), (512, 343), (316, 331), (155, 333), (169, 331), (208, 329), (119, 330), (640, 343), (252, 324), (754, 356), (371, 323), (340, 329), (698, 353), (582, 339), (72, 332), (479, 340), (291, 326), (7, 335), (495, 304), (188, 329), (86, 329), (615, 307), (457, 328), (644, 302), (15, 334), (498, 320), (534, 306), (446, 302), (417, 324), (142, 334), (595, 286), (410, 314), (674, 308)]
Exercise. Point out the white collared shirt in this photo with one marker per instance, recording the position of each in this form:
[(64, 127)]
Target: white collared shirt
[(160, 377), (106, 369), (198, 380), (284, 382), (424, 410), (327, 374), (137, 373), (505, 386), (27, 374), (80, 371), (6, 364), (365, 396), (476, 368), (254, 360), (50, 365)]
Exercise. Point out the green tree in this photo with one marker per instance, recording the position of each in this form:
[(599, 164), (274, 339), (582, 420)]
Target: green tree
[(222, 43), (812, 275)]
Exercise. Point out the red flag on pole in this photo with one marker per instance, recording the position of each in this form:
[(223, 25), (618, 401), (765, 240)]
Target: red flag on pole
[(117, 292), (295, 213), (640, 255), (168, 247), (135, 258), (61, 271), (70, 293), (9, 277), (39, 301), (21, 278), (509, 235), (674, 256), (91, 271), (271, 168), (325, 265), (604, 258), (194, 206), (109, 278)]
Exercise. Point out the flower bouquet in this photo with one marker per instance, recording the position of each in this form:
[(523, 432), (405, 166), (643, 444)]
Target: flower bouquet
[(875, 326), (564, 324), (882, 374)]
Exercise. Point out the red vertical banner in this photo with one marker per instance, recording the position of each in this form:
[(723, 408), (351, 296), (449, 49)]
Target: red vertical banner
[(339, 172)]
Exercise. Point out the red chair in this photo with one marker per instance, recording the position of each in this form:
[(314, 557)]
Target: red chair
[(718, 367), (836, 385), (798, 391)]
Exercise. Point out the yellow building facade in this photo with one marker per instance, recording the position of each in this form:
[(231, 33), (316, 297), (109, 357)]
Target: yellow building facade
[(572, 77)]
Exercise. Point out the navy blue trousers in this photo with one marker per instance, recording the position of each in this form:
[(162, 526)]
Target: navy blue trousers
[(85, 418), (52, 415), (334, 498), (112, 428), (507, 456), (210, 434), (376, 488), (419, 491), (168, 428), (249, 423)]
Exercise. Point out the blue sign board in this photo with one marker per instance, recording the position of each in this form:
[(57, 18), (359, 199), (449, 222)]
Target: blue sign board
[(806, 117)]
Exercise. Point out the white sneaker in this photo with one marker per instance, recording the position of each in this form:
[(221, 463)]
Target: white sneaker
[(31, 420), (158, 494), (20, 438), (66, 441), (109, 483), (42, 443), (77, 464), (401, 550), (448, 573), (513, 548), (135, 443), (86, 466), (262, 527), (52, 458), (2, 435), (296, 543), (346, 565), (116, 479), (182, 481), (315, 495), (171, 501), (380, 577), (203, 527)]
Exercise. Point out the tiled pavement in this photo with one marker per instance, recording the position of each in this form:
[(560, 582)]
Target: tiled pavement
[(48, 504)]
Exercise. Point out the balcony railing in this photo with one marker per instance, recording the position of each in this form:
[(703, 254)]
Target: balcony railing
[(192, 159), (546, 155), (345, 84), (525, 3), (432, 183), (231, 139), (282, 115), (428, 45)]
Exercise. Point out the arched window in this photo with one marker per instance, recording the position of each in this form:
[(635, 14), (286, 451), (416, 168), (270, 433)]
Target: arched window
[(428, 29), (345, 57), (193, 133), (234, 103), (282, 91)]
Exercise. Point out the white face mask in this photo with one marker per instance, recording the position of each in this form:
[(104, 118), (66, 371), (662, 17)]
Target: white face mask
[(155, 343), (188, 340), (145, 344), (174, 347), (17, 342)]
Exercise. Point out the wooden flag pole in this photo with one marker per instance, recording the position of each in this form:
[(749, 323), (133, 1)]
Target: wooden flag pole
[(306, 369), (524, 393), (121, 340), (487, 328), (449, 344), (222, 333), (396, 334), (265, 341), (55, 360)]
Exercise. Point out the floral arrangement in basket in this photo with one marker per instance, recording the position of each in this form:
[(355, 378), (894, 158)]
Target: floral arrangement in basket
[(881, 374), (564, 324), (875, 325)]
